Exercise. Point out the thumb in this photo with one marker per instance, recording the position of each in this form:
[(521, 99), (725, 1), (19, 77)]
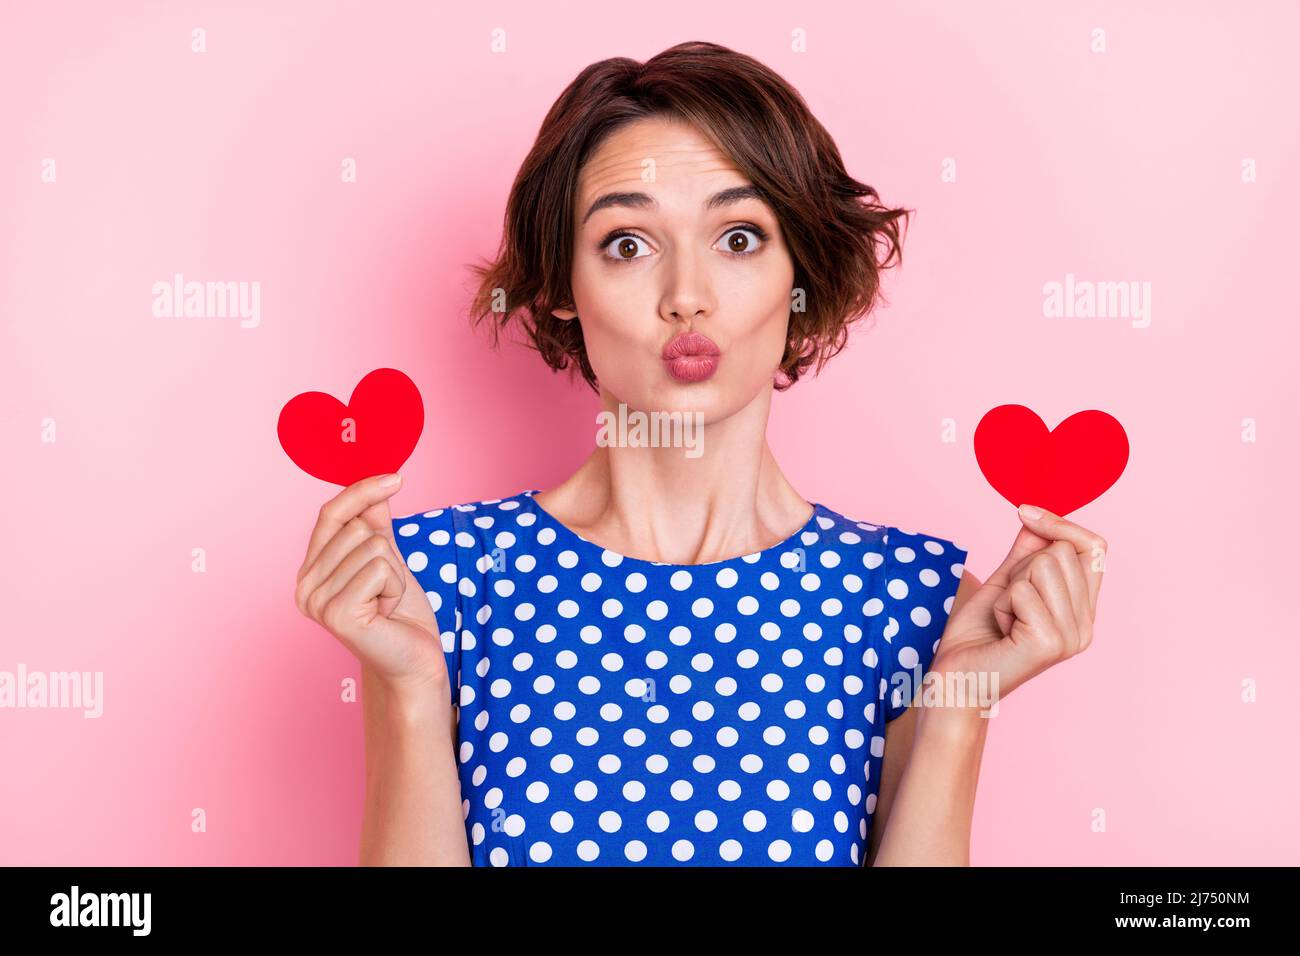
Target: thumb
[(994, 591), (379, 517), (990, 606), (1025, 544)]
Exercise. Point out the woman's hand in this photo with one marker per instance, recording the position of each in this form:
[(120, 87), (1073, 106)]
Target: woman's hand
[(1036, 610), (354, 583)]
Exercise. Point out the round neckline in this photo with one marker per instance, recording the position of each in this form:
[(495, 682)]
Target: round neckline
[(562, 529)]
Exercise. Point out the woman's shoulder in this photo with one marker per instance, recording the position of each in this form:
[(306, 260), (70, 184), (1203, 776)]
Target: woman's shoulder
[(874, 528), (474, 508), (888, 543), (469, 524)]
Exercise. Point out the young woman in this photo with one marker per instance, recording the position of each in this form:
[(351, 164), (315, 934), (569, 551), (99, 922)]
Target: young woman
[(672, 657)]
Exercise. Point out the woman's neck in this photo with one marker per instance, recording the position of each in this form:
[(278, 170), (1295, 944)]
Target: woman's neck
[(718, 495)]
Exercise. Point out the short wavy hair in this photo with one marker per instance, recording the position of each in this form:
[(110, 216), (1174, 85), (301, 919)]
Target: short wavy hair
[(839, 235)]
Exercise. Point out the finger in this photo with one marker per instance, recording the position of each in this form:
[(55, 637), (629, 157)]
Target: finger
[(379, 516), (336, 549), (1076, 583), (1048, 577), (1026, 544), (1055, 528), (361, 599), (1035, 635), (359, 557), (345, 506), (1044, 571), (1093, 566), (1087, 544)]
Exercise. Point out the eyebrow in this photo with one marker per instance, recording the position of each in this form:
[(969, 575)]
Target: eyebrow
[(726, 197)]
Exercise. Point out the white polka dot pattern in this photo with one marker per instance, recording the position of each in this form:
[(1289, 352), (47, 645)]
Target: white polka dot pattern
[(616, 711), (921, 577)]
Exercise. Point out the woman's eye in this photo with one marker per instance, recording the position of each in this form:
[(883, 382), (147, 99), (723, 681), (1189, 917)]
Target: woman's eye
[(627, 247), (741, 241)]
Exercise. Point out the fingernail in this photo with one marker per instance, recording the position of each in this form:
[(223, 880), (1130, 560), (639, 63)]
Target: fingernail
[(387, 481), (1030, 512)]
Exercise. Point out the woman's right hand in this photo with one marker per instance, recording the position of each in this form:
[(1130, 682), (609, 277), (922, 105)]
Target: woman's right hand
[(355, 584)]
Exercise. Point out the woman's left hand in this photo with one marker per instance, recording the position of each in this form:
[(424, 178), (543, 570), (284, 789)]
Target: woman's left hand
[(1035, 610)]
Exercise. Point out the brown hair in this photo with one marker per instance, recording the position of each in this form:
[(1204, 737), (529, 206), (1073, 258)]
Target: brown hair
[(832, 223)]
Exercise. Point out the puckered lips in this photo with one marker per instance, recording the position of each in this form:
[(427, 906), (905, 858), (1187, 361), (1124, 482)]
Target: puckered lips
[(691, 357)]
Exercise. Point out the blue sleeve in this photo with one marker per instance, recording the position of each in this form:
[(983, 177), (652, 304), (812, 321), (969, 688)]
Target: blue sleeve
[(921, 577), (428, 544)]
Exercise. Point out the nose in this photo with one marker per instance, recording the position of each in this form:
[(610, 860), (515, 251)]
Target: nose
[(688, 289)]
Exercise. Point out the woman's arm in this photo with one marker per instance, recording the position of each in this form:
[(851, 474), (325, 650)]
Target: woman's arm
[(355, 583), (929, 772), (413, 814), (1037, 609)]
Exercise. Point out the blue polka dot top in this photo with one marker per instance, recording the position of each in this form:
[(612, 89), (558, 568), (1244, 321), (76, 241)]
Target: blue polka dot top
[(616, 711)]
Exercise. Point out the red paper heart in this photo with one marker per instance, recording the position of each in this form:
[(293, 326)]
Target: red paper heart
[(1061, 470), (373, 434)]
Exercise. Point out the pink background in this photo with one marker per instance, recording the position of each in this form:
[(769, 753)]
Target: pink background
[(226, 165)]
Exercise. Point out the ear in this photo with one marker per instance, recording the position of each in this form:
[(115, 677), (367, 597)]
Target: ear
[(564, 313)]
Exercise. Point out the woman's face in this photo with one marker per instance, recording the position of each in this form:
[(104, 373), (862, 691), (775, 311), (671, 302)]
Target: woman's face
[(676, 244)]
